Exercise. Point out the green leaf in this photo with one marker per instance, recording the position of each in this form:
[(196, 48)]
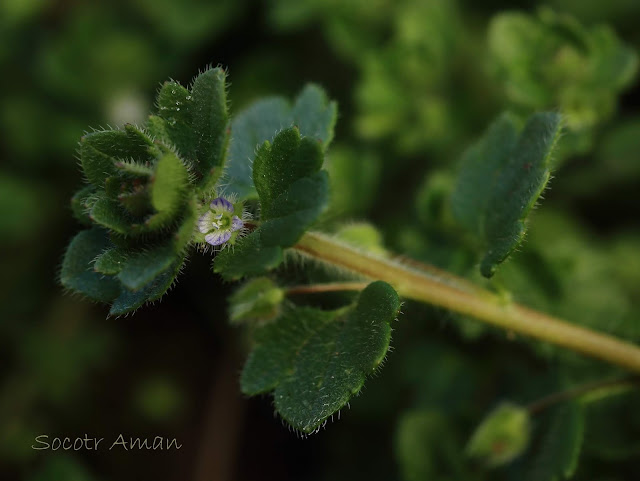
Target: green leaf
[(110, 261), (109, 213), (174, 121), (500, 180), (315, 360), (169, 183), (77, 273), (293, 211), (558, 455), (278, 165), (79, 206), (196, 123), (258, 299), (129, 301), (142, 268), (312, 113), (502, 436), (210, 124), (478, 171), (293, 192), (248, 258), (100, 150)]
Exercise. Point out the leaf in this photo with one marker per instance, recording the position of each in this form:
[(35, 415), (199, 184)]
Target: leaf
[(78, 204), (129, 301), (169, 183), (312, 113), (558, 456), (110, 261), (100, 150), (77, 272), (478, 171), (314, 361), (502, 436), (500, 180), (295, 210), (174, 121), (196, 123), (142, 268), (247, 258), (210, 124), (258, 299), (108, 213), (292, 191)]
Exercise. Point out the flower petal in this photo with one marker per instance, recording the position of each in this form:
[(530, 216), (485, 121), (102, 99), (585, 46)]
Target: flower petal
[(220, 203), (236, 223), (205, 223), (217, 238)]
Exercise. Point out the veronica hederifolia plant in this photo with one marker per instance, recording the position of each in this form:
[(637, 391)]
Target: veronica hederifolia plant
[(250, 189)]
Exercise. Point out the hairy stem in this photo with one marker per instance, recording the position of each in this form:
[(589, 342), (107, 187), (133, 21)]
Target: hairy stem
[(445, 290), (329, 287), (578, 391)]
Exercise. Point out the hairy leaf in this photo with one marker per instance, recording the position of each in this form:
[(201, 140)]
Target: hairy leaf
[(174, 121), (100, 150), (500, 180), (77, 273), (79, 206), (210, 124), (292, 190), (312, 113), (169, 184), (141, 268), (196, 123), (315, 360), (247, 258), (111, 261), (129, 301)]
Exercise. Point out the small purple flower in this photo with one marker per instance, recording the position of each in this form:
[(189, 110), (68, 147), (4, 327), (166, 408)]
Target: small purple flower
[(222, 222)]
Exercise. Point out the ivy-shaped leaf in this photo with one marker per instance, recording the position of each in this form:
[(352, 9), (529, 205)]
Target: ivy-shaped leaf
[(312, 113), (501, 178), (558, 455), (314, 361), (293, 193), (292, 190)]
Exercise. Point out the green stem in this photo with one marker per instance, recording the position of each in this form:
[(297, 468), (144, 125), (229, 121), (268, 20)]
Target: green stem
[(432, 286), (610, 385), (328, 287)]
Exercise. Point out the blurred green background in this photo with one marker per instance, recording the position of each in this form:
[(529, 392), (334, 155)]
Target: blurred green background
[(416, 82)]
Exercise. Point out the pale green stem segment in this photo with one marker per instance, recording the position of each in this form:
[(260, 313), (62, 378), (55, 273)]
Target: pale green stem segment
[(432, 286)]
